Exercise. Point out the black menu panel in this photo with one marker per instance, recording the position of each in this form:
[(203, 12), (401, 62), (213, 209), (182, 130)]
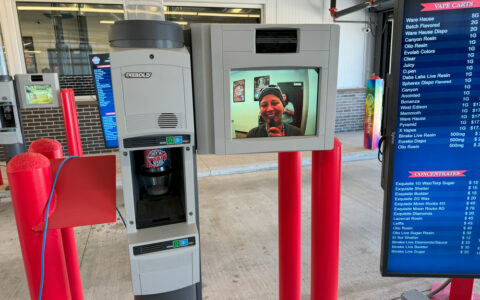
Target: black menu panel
[(432, 217)]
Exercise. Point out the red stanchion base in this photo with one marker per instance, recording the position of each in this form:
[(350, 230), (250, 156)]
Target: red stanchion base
[(445, 294)]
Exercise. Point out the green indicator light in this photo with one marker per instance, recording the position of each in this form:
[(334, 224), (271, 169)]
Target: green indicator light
[(176, 244), (170, 140)]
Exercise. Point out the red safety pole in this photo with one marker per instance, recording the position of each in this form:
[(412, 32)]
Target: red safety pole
[(289, 224), (326, 175), (70, 120), (49, 148), (52, 149), (74, 145), (30, 180), (461, 289)]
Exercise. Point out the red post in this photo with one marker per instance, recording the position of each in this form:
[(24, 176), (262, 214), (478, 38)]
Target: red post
[(461, 289), (30, 180), (326, 175), (53, 149), (49, 148), (70, 120), (289, 224)]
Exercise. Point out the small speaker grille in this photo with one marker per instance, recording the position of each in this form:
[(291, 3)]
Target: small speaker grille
[(168, 120)]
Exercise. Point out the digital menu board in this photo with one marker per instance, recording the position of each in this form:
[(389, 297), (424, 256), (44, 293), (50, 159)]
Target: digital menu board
[(431, 213), (103, 83)]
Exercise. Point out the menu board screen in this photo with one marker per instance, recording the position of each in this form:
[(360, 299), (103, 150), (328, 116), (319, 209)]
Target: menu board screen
[(103, 82), (433, 217)]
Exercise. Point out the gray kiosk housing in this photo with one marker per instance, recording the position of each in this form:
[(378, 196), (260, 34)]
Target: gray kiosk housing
[(48, 80), (152, 86), (11, 134), (218, 49)]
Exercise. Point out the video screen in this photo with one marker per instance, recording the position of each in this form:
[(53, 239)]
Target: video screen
[(274, 103), (39, 94)]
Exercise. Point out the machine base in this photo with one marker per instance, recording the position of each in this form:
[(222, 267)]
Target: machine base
[(192, 292), (445, 294)]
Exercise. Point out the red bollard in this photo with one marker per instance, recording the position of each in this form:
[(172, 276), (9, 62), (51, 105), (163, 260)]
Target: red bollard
[(70, 120), (326, 177), (461, 289), (289, 224), (53, 149), (49, 148), (30, 180), (74, 144)]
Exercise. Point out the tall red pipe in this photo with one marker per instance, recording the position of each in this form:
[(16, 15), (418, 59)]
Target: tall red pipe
[(70, 120), (461, 289), (74, 145), (289, 224), (30, 180), (326, 178)]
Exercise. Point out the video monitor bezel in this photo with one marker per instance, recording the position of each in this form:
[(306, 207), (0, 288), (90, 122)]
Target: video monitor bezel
[(278, 144), (266, 70), (390, 125)]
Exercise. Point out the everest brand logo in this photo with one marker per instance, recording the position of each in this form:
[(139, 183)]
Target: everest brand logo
[(138, 74)]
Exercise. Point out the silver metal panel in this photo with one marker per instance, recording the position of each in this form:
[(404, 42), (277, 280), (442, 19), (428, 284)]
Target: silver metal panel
[(331, 83), (238, 41), (314, 40), (167, 270), (202, 58), (140, 101)]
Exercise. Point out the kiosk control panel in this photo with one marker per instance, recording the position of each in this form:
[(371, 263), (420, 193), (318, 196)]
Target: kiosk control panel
[(431, 163)]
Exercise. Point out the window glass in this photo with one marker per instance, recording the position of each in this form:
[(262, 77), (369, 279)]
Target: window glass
[(185, 15), (3, 56), (59, 37)]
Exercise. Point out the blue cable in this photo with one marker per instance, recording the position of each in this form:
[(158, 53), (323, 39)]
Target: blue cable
[(120, 214), (46, 223)]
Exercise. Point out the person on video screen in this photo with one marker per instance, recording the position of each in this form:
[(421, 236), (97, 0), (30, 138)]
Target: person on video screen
[(272, 107), (289, 111)]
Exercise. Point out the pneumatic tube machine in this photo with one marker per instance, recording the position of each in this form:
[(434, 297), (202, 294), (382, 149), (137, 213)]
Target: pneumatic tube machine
[(151, 77)]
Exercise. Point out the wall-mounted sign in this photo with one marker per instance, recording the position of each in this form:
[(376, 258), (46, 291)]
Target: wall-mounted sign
[(100, 64), (432, 165)]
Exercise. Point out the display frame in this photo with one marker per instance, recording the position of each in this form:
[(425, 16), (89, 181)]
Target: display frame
[(389, 134), (255, 101), (271, 144), (102, 57), (316, 47)]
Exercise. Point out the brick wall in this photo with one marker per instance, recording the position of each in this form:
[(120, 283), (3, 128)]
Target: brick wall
[(48, 122), (83, 85), (350, 110)]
